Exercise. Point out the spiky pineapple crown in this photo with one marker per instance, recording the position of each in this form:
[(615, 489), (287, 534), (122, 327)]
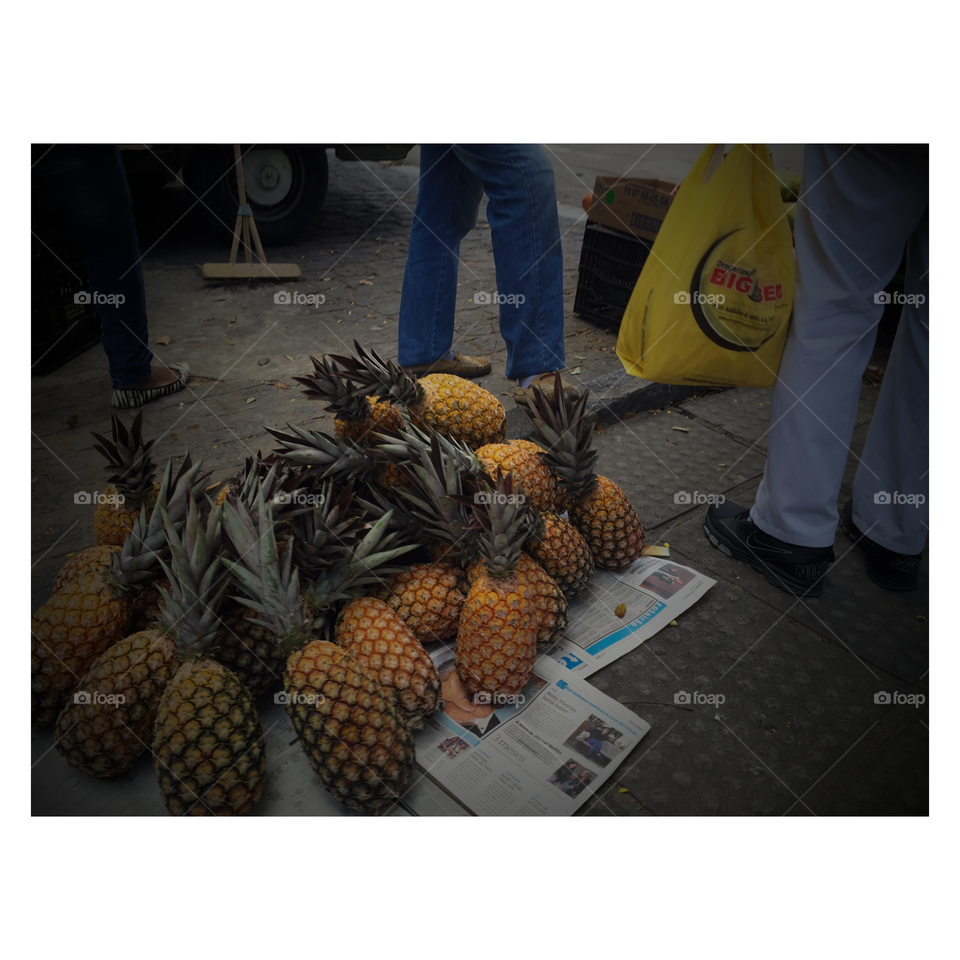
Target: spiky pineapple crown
[(567, 438), (340, 567), (439, 471), (338, 459), (327, 383), (374, 375), (147, 541), (506, 520), (197, 582), (128, 454), (272, 587)]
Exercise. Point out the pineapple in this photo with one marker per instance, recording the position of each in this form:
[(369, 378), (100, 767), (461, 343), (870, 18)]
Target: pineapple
[(85, 564), (524, 459), (497, 638), (427, 598), (386, 649), (130, 489), (560, 548), (103, 732), (207, 741), (549, 599), (356, 414), (348, 726), (87, 616), (102, 737), (449, 404), (597, 507)]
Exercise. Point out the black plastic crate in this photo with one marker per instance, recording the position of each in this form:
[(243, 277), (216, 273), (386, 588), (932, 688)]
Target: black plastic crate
[(61, 329), (610, 265)]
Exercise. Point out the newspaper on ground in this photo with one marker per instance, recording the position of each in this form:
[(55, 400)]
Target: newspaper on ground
[(619, 611), (542, 752)]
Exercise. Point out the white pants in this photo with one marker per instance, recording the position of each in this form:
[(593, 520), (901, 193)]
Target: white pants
[(857, 210)]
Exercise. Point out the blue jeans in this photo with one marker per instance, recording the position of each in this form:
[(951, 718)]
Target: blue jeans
[(595, 747), (525, 231), (88, 185)]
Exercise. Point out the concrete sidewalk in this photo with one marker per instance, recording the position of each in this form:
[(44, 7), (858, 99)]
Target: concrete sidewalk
[(799, 731)]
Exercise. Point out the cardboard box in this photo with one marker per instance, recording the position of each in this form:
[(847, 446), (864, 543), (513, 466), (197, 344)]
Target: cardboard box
[(631, 204)]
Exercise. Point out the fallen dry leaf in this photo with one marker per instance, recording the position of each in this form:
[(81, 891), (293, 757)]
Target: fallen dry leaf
[(251, 399), (601, 428), (163, 341), (621, 610), (287, 355), (574, 371), (623, 790), (234, 320), (627, 416), (278, 384), (367, 283), (219, 299), (72, 420), (682, 429)]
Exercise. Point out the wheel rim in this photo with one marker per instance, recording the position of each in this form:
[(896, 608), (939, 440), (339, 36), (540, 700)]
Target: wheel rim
[(274, 180)]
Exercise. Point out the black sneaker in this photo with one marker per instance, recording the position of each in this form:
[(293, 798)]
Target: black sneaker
[(796, 570), (893, 571)]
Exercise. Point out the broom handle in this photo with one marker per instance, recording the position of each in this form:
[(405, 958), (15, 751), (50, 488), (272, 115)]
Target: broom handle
[(249, 226)]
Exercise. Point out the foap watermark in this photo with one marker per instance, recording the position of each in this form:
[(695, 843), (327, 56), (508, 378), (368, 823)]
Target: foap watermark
[(300, 499), (499, 699), (908, 499), (304, 699), (684, 699), (99, 299), (291, 297), (88, 697), (900, 699), (491, 496), (683, 497), (713, 299), (895, 296), (504, 299), (112, 499)]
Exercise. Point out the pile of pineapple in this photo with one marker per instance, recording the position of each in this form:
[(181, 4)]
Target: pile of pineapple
[(316, 576)]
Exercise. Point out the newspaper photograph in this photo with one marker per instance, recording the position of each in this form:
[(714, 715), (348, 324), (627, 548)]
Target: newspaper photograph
[(542, 752), (619, 611)]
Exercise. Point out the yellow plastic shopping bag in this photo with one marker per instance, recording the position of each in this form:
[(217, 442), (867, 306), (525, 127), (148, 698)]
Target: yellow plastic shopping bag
[(715, 297)]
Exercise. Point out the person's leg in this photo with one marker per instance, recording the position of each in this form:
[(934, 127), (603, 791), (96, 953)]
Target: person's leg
[(891, 488), (856, 211), (89, 185), (447, 203), (525, 230)]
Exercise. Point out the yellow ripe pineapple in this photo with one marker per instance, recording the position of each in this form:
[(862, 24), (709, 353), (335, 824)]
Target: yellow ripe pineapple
[(451, 405), (109, 722), (348, 726), (497, 638), (548, 598), (85, 564), (129, 489), (427, 597), (560, 548), (597, 506), (386, 649), (207, 742), (524, 459), (85, 617)]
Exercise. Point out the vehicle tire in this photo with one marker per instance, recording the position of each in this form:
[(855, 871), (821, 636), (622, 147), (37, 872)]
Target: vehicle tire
[(286, 186)]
